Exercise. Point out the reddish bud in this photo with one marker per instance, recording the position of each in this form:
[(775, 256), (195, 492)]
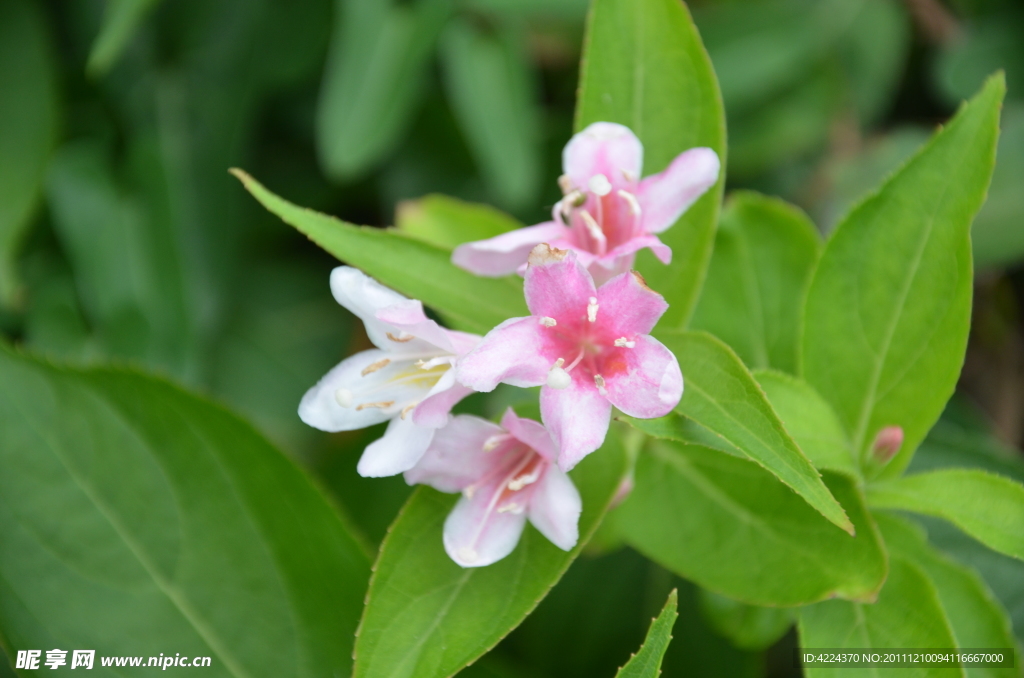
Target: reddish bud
[(887, 444)]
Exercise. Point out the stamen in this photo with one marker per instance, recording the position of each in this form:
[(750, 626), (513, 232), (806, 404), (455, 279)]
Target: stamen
[(557, 377), (622, 341), (522, 481), (370, 369), (497, 439), (628, 176), (565, 183), (592, 227), (515, 509), (634, 205), (599, 380), (599, 185), (548, 322), (409, 408), (432, 363), (401, 338), (343, 397), (382, 404), (576, 198), (592, 309)]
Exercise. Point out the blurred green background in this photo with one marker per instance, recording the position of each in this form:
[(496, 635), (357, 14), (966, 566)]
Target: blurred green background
[(122, 236)]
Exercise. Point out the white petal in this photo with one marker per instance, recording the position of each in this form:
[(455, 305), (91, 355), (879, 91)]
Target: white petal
[(456, 457), (475, 536), (555, 509), (400, 448)]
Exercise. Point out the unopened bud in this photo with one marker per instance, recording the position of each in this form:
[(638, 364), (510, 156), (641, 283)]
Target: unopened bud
[(887, 444)]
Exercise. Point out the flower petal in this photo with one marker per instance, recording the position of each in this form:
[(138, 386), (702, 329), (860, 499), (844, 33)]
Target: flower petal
[(627, 306), (408, 318), (464, 342), (530, 432), (604, 148), (635, 244), (651, 383), (557, 285), (505, 253), (513, 352), (577, 418), (475, 534), (364, 296), (555, 509), (433, 411), (399, 449), (455, 458), (320, 409), (665, 196)]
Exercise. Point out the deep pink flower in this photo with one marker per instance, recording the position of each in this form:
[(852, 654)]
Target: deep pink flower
[(608, 213), (408, 379), (589, 348), (506, 476)]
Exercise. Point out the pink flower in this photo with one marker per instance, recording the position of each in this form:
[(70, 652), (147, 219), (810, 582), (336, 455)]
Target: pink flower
[(588, 347), (506, 476), (608, 213), (408, 379)]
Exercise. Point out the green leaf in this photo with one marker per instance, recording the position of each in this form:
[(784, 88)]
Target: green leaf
[(750, 627), (413, 267), (988, 507), (721, 395), (644, 67), (889, 306), (135, 517), (810, 420), (646, 663), (972, 611), (376, 67), (908, 614), (426, 616), (764, 251), (730, 526), (120, 20), (28, 126), (449, 222), (682, 430), (491, 90)]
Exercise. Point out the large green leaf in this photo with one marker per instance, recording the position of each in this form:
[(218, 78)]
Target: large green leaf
[(491, 89), (721, 395), (644, 66), (908, 614), (413, 267), (988, 507), (426, 616), (974, 615), (809, 419), (135, 518), (375, 69), (764, 251), (448, 222), (120, 20), (889, 306), (646, 663), (751, 627), (28, 125), (730, 526)]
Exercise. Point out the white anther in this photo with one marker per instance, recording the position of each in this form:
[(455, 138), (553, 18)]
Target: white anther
[(565, 183), (381, 404), (401, 338), (628, 176), (634, 205), (494, 441), (599, 185), (592, 309), (467, 554), (557, 377), (514, 509), (519, 483), (369, 369), (595, 231), (599, 380), (407, 409), (433, 362), (623, 342), (343, 397)]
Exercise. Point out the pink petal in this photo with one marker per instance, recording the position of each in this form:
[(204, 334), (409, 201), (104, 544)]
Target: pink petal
[(407, 316), (475, 534), (635, 244), (627, 306), (464, 342), (650, 384), (433, 411), (665, 196), (505, 253), (455, 458), (530, 432), (604, 148), (577, 418), (401, 447), (513, 352), (555, 509), (558, 286)]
